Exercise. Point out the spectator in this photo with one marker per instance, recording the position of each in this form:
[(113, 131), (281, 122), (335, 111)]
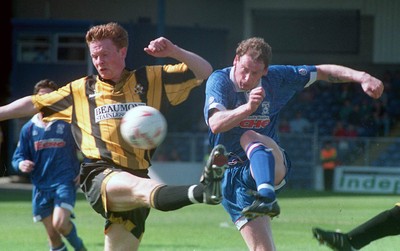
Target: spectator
[(352, 131), (341, 133), (355, 115), (346, 92), (161, 155), (381, 118), (328, 157), (174, 155), (390, 100), (345, 110), (369, 126), (284, 126), (300, 124), (365, 107), (339, 130)]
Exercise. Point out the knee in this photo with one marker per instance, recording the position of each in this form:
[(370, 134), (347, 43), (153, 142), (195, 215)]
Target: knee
[(62, 226), (248, 137)]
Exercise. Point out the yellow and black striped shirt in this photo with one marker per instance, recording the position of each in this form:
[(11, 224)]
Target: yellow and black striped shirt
[(95, 108)]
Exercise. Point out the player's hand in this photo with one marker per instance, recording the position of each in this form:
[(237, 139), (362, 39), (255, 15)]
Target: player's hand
[(161, 47), (372, 86), (256, 97), (26, 166)]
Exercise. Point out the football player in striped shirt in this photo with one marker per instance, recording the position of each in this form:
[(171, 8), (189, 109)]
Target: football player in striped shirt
[(114, 175)]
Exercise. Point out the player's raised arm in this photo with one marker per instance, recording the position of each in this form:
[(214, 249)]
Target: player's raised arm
[(341, 74), (162, 47), (19, 108)]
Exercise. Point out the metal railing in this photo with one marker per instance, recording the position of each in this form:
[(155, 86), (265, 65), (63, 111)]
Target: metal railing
[(303, 150)]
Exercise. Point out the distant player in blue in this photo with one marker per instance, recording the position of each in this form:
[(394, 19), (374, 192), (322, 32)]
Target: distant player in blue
[(241, 109), (47, 152)]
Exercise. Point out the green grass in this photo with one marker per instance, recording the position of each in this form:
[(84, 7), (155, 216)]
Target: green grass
[(203, 227)]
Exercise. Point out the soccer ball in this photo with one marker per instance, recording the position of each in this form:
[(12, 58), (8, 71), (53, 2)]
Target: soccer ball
[(143, 127)]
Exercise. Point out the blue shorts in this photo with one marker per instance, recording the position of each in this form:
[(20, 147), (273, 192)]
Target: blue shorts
[(235, 185), (44, 201)]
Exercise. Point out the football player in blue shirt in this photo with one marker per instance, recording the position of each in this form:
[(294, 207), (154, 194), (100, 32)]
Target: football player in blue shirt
[(48, 153), (241, 109)]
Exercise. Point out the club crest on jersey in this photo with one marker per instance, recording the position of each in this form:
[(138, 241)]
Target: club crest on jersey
[(60, 129), (265, 107), (303, 71), (139, 88)]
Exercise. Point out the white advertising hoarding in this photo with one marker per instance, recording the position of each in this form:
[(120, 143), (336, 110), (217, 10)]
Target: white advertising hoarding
[(382, 180)]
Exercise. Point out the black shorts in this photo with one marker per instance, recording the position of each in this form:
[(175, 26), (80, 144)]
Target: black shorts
[(92, 176)]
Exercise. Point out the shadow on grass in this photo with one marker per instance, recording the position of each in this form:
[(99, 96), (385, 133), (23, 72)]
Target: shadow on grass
[(25, 195)]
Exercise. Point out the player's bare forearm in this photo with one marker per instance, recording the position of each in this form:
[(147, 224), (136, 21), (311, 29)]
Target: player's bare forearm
[(222, 121), (19, 108), (162, 47), (341, 74), (201, 68)]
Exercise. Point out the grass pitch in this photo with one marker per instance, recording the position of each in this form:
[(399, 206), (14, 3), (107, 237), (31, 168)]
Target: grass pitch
[(203, 227)]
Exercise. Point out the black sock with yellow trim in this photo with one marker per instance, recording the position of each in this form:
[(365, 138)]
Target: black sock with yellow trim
[(168, 198)]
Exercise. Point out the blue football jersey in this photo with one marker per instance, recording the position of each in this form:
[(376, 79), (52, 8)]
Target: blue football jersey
[(53, 150), (280, 84)]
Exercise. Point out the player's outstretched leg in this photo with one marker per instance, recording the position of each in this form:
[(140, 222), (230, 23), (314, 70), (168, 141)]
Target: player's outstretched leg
[(335, 240), (261, 207), (213, 173)]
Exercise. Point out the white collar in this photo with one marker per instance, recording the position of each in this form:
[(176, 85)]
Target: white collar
[(39, 122)]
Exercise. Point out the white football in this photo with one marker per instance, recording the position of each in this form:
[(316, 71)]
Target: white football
[(143, 127)]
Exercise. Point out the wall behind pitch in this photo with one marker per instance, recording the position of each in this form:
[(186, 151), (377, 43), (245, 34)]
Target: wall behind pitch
[(176, 173)]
